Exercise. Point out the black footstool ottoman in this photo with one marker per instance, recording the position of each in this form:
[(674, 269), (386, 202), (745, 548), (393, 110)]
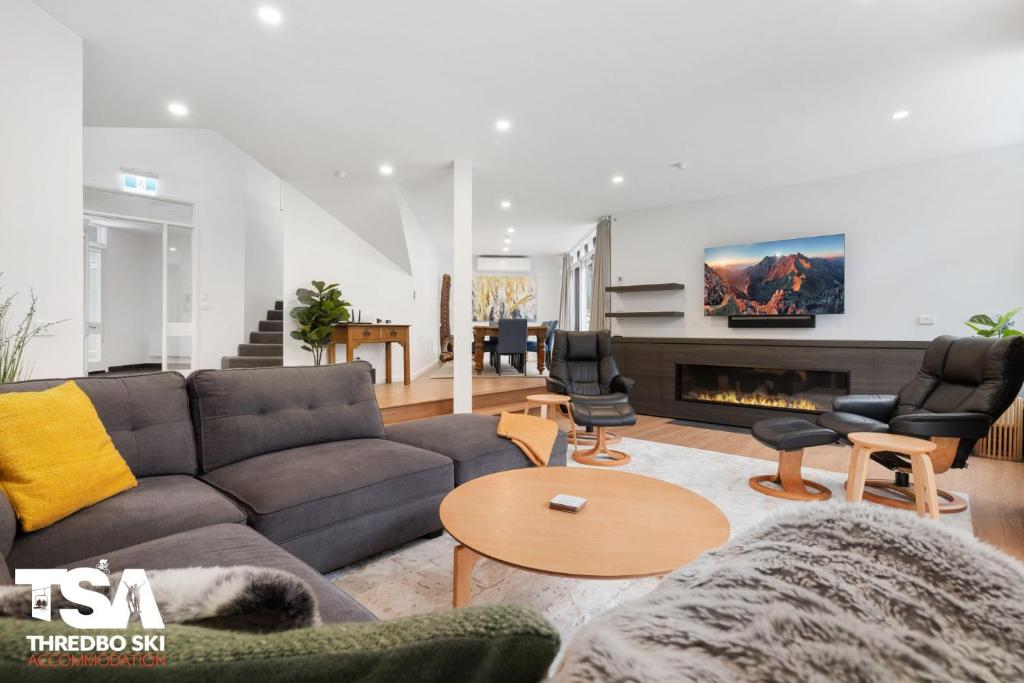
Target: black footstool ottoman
[(790, 436), (600, 416)]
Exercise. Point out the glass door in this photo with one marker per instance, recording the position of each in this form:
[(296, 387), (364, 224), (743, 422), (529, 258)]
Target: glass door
[(178, 299)]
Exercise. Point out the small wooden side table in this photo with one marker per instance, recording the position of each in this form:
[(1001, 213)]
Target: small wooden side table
[(545, 400), (354, 335), (919, 451)]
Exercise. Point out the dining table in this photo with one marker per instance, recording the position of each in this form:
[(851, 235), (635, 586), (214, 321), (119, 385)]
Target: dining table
[(480, 332)]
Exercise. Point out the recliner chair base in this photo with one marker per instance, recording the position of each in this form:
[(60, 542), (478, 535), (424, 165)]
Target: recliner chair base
[(600, 455), (903, 497), (787, 481)]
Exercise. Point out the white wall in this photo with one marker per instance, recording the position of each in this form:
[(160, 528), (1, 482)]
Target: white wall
[(944, 238), (547, 269), (131, 293), (318, 247), (264, 239), (238, 252), (41, 180)]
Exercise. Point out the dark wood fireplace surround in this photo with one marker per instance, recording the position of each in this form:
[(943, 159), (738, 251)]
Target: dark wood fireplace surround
[(874, 367)]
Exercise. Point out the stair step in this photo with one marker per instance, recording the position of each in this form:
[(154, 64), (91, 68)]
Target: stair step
[(266, 337), (271, 326), (228, 362), (261, 350), (275, 314), (504, 408), (278, 305)]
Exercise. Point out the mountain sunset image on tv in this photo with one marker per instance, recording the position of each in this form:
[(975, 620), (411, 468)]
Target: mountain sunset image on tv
[(801, 276)]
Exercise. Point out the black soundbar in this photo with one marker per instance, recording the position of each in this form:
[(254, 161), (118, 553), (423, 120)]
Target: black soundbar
[(763, 321)]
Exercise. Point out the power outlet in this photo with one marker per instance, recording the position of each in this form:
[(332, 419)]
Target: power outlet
[(926, 319)]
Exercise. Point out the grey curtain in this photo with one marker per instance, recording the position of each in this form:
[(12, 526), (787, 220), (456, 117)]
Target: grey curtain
[(565, 303), (602, 275)]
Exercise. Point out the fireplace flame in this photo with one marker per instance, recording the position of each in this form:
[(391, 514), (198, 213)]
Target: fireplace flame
[(753, 400)]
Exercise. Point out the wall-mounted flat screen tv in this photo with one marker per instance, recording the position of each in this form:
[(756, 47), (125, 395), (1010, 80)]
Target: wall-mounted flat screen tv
[(801, 276)]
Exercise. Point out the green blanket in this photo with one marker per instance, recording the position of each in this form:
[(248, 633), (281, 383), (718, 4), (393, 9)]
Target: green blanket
[(498, 643)]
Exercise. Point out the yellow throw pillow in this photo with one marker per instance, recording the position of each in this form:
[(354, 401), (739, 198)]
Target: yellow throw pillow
[(55, 455)]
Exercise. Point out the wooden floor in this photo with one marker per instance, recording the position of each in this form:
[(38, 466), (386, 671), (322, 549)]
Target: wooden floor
[(426, 397), (995, 488)]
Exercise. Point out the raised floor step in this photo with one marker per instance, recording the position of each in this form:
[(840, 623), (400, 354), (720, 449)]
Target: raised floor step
[(275, 314), (271, 326), (266, 337), (263, 350), (228, 362)]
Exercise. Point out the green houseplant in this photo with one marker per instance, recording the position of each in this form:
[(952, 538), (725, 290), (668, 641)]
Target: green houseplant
[(322, 308), (1001, 326), (15, 336)]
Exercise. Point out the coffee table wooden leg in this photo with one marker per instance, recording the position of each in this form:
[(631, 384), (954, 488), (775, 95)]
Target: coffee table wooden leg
[(462, 575)]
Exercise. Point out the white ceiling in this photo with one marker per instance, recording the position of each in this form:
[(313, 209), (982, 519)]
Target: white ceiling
[(750, 93)]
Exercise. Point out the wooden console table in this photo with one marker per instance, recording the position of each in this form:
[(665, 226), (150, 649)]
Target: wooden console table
[(540, 331), (354, 335)]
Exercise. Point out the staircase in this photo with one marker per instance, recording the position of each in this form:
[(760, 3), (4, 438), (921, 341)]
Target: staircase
[(266, 346)]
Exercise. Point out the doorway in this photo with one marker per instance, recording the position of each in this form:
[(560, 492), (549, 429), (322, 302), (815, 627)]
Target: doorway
[(139, 285)]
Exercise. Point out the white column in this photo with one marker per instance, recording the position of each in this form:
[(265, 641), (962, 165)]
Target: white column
[(462, 286)]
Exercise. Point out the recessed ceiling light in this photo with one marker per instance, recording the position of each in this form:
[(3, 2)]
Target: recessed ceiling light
[(503, 125), (508, 241), (340, 175), (270, 15), (386, 169), (900, 115), (510, 230), (618, 180), (504, 248), (177, 108), (172, 249), (506, 204)]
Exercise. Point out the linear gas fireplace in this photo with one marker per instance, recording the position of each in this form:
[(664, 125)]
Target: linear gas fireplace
[(809, 391)]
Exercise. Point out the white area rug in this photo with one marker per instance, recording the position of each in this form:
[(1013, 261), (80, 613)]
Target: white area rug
[(417, 578)]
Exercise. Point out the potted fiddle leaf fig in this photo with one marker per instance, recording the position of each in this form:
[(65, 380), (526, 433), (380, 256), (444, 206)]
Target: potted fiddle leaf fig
[(322, 308)]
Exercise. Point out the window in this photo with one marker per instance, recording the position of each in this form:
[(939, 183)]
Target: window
[(582, 281)]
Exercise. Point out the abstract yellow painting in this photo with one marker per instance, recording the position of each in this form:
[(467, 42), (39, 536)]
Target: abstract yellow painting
[(504, 296)]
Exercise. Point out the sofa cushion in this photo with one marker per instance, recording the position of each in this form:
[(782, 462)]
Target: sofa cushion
[(146, 416), (297, 491), (472, 442), (243, 413), (227, 545), (158, 506)]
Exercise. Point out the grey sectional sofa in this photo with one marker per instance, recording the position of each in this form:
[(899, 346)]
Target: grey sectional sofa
[(289, 468)]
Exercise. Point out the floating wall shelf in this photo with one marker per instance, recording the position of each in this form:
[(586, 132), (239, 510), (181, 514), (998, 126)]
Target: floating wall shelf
[(646, 314), (663, 287)]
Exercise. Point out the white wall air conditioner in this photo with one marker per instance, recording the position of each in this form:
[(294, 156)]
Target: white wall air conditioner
[(503, 264)]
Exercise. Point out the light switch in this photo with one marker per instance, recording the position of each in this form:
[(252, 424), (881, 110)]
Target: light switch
[(926, 319)]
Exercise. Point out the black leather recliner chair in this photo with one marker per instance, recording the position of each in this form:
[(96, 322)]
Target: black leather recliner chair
[(964, 384), (583, 367)]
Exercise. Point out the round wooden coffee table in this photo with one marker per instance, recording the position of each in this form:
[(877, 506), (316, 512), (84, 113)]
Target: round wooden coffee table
[(632, 526)]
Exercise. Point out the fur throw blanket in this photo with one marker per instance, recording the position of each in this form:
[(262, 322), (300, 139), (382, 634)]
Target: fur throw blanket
[(826, 592), (232, 598)]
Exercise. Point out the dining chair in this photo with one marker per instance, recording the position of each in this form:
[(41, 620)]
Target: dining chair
[(511, 342)]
